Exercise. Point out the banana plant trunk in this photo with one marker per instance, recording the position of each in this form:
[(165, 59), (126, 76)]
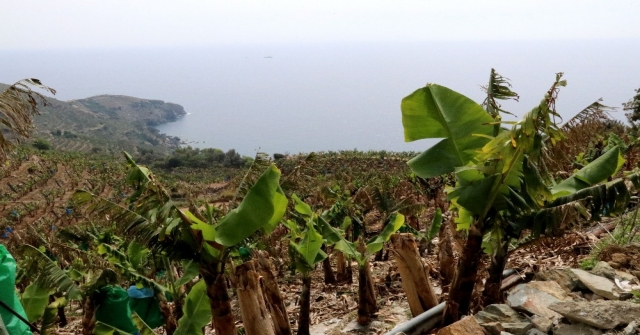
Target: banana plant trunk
[(223, 322), (465, 279), (273, 298), (88, 316), (329, 277), (415, 275), (61, 313), (170, 323), (367, 304), (305, 305), (256, 318), (445, 255), (343, 266), (492, 293)]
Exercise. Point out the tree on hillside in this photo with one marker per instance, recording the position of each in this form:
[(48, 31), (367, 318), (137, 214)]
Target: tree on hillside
[(632, 107), (18, 106)]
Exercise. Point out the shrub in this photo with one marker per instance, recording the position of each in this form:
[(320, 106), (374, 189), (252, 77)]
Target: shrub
[(42, 144)]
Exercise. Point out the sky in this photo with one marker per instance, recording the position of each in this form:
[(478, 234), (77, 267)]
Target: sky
[(79, 24), (329, 62)]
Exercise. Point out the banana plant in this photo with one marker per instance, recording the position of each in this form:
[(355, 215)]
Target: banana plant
[(319, 226), (361, 253), (157, 222), (306, 249), (498, 171)]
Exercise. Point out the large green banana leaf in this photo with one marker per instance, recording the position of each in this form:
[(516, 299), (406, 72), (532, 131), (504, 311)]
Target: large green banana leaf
[(435, 111), (263, 206), (34, 301), (197, 311), (595, 172), (375, 244)]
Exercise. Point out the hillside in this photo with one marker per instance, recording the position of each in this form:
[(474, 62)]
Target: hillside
[(107, 124)]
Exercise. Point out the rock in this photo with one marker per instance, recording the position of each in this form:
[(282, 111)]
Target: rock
[(508, 319), (534, 297), (466, 326), (577, 329), (631, 329), (499, 313), (564, 277), (627, 276), (505, 333), (534, 331), (517, 328), (603, 269), (493, 328), (598, 285), (542, 324), (602, 314)]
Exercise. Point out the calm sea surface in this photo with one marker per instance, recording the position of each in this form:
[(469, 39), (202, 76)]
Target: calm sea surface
[(303, 98)]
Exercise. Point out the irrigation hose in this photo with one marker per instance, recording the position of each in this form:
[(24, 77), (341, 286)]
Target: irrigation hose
[(432, 317), (33, 327)]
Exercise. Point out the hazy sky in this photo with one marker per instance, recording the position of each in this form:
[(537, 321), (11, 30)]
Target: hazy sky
[(62, 24)]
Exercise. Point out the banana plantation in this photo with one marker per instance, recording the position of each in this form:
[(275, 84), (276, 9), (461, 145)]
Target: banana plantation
[(104, 245)]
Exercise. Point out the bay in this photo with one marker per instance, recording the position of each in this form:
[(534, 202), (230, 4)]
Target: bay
[(302, 98)]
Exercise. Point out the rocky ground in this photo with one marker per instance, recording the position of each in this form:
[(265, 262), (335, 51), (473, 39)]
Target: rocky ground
[(567, 301)]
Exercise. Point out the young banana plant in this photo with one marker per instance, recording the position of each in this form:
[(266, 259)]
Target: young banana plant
[(360, 252)]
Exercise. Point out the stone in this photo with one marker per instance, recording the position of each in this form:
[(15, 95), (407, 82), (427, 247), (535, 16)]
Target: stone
[(631, 328), (508, 319), (602, 314), (564, 277), (505, 333), (534, 331), (576, 329), (534, 297), (517, 328), (493, 328), (499, 313), (627, 276), (541, 323), (466, 326), (603, 269), (598, 285)]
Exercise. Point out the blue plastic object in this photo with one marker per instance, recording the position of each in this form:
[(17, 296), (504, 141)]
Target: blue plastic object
[(139, 293)]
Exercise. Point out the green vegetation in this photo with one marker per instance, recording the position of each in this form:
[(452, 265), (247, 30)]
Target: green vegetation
[(502, 187), (82, 226), (41, 144), (112, 123)]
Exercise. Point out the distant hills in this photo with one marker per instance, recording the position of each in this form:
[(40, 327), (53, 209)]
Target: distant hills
[(107, 124)]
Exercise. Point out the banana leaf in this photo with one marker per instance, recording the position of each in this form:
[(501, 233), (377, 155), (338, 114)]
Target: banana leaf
[(438, 112), (263, 206), (197, 311)]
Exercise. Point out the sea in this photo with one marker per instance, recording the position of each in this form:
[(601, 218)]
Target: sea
[(301, 98)]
